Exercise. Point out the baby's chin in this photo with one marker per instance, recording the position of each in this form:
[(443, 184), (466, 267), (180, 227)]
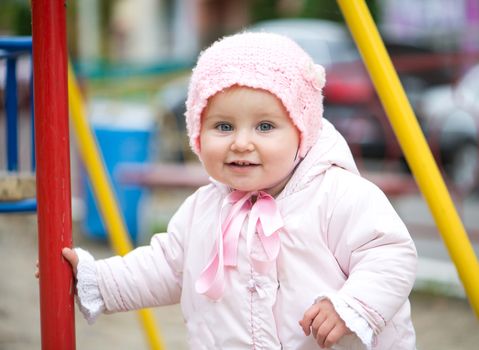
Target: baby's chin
[(244, 188), (272, 191)]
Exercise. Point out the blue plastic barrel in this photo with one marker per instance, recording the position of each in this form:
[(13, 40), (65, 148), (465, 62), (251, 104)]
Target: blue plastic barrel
[(118, 145)]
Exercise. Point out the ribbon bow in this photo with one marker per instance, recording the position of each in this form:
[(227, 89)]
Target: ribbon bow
[(264, 219)]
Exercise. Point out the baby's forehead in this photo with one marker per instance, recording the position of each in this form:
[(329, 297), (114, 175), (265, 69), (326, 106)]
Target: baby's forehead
[(263, 98), (245, 102)]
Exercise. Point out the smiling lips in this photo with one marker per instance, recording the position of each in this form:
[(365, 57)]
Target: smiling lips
[(242, 164)]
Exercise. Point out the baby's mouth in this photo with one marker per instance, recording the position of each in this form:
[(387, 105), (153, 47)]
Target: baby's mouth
[(241, 163)]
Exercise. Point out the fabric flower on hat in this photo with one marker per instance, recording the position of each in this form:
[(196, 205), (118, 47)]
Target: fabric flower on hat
[(314, 74)]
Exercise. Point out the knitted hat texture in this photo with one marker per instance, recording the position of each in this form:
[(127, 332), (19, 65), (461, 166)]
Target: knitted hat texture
[(264, 61)]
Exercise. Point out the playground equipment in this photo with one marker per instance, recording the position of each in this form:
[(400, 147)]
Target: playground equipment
[(12, 49), (52, 150), (413, 144), (17, 190), (53, 179)]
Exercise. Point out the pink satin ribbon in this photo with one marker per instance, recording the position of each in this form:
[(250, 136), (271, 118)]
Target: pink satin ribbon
[(264, 219)]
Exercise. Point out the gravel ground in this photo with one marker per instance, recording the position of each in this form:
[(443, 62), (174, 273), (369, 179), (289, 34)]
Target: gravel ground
[(441, 322)]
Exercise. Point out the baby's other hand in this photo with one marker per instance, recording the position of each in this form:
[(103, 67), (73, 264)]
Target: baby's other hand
[(69, 255), (323, 322)]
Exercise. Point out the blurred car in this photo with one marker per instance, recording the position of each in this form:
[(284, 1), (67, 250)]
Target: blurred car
[(352, 104), (450, 115)]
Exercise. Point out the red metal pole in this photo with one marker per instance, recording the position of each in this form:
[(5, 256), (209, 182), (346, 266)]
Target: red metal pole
[(53, 173)]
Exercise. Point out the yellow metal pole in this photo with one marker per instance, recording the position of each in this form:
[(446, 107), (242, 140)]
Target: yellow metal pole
[(414, 144), (104, 194)]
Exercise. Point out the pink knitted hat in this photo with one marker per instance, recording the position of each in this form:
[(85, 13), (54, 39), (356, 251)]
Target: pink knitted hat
[(265, 61)]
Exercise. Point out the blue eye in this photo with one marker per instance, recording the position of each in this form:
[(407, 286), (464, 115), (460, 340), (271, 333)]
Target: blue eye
[(264, 126), (224, 127)]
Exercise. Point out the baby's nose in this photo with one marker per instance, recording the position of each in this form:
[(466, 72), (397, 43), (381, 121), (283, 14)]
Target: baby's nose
[(242, 142)]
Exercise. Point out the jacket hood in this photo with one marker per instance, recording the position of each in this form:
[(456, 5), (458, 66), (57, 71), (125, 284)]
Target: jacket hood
[(329, 150)]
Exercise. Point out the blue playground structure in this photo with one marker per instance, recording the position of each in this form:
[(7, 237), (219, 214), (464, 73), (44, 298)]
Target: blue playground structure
[(11, 49)]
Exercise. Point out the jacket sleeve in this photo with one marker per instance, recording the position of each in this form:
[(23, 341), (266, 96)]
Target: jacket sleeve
[(374, 249), (147, 276)]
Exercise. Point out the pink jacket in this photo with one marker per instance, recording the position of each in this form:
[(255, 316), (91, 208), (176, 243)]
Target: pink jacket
[(342, 239)]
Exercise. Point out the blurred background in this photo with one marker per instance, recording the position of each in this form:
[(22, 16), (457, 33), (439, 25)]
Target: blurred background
[(133, 59)]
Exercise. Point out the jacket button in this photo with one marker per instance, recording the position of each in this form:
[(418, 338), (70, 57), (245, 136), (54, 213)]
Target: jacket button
[(252, 285)]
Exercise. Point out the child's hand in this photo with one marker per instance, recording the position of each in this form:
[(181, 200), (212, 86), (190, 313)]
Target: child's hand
[(69, 255), (323, 322)]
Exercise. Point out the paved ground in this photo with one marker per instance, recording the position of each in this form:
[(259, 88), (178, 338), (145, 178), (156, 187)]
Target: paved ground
[(441, 322)]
